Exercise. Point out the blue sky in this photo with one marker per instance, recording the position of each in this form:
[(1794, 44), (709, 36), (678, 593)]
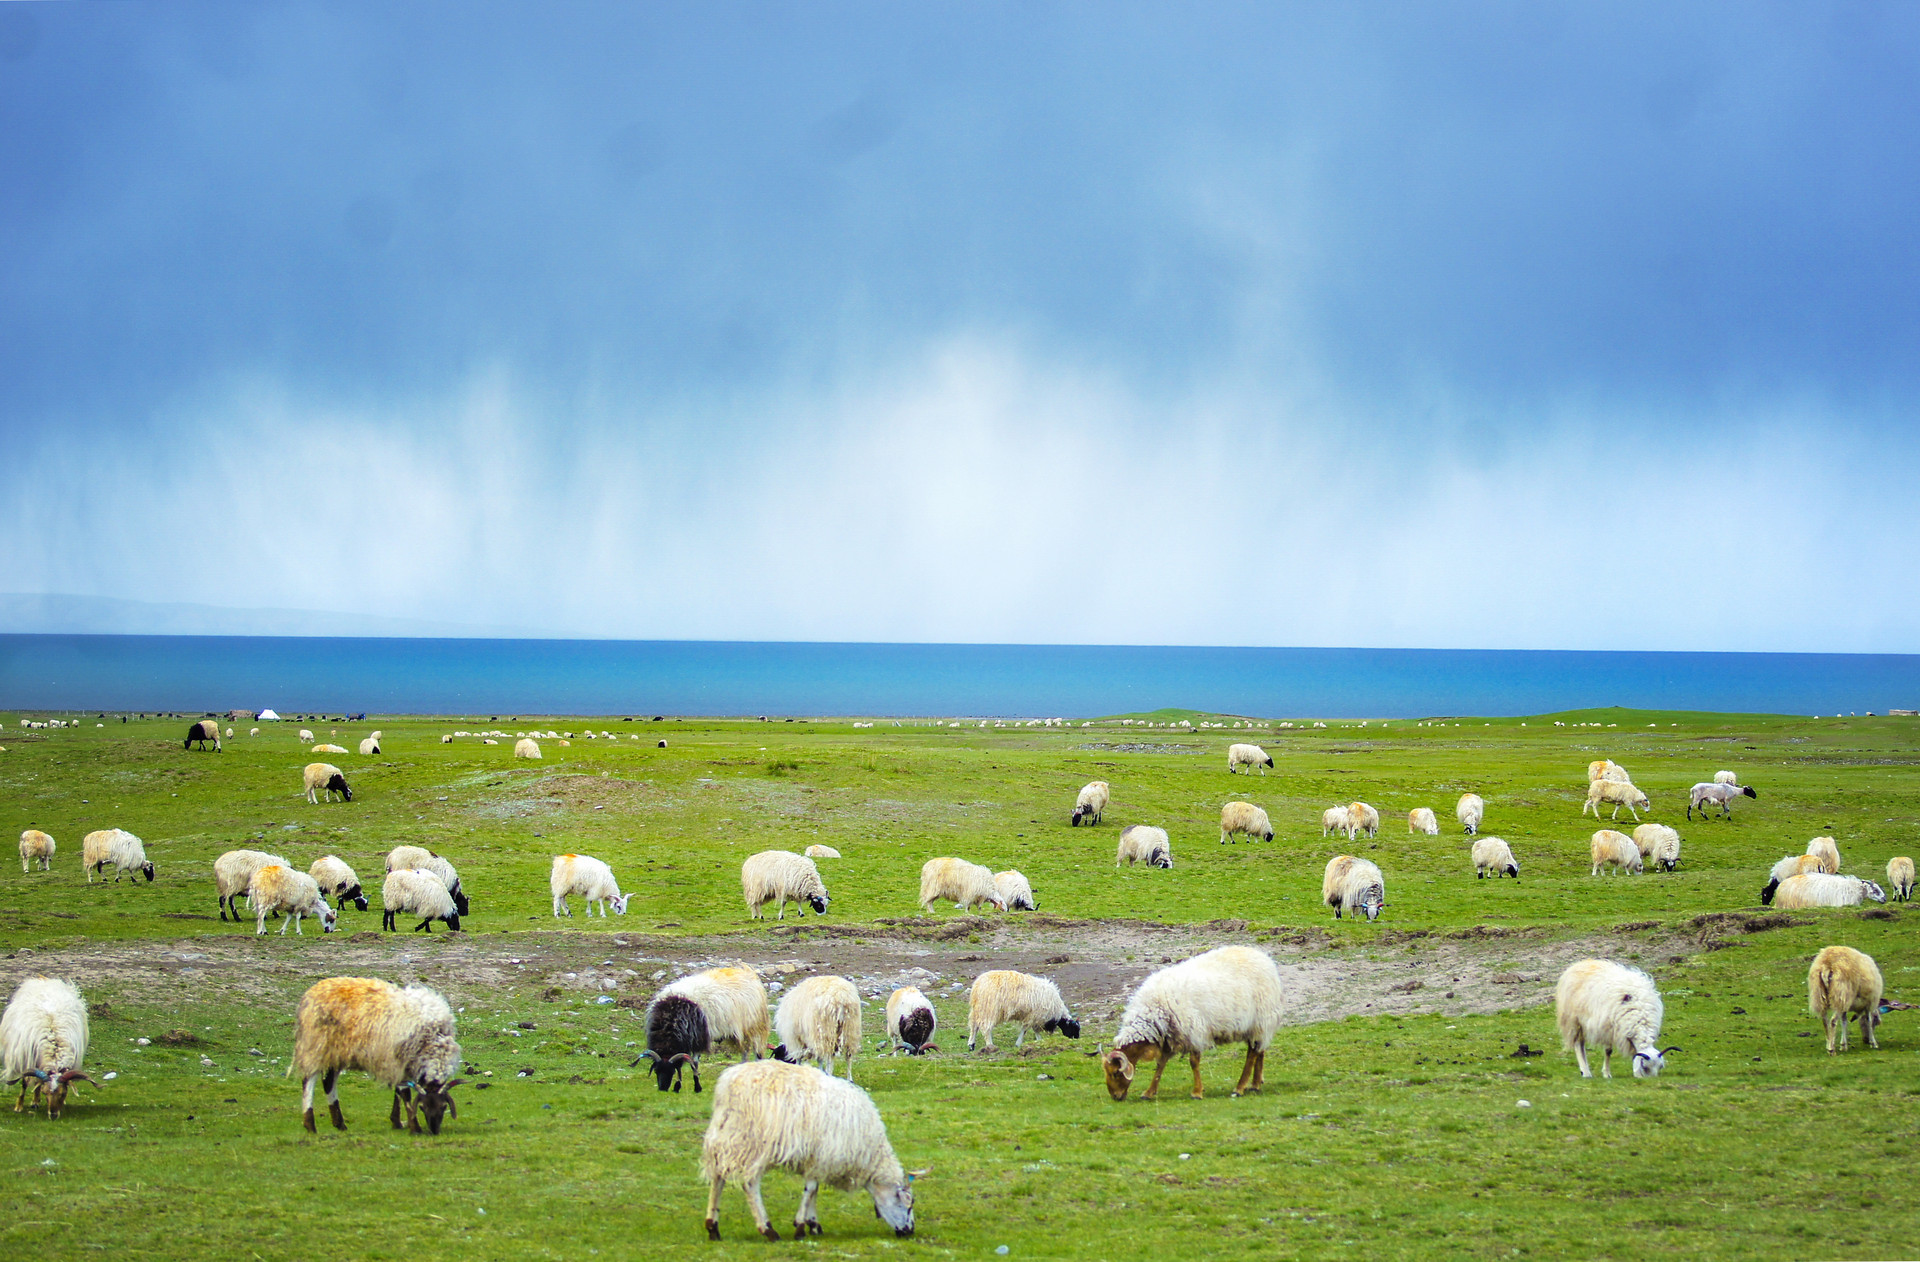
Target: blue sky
[(1444, 325)]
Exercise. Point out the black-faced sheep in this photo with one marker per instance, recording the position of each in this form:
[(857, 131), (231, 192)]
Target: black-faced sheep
[(1491, 854), (1822, 889), (116, 846), (1248, 756), (782, 877), (911, 1021), (966, 884), (417, 893), (202, 732), (402, 1038), (1659, 846), (1702, 797), (338, 881), (1091, 805), (1014, 891), (1238, 818), (1470, 810), (233, 873), (325, 778), (1142, 843), (1002, 994)]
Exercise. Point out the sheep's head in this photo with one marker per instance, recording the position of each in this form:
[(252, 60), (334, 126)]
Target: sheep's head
[(1513, 870), (781, 1054), (460, 904), (56, 1086), (619, 902), (893, 1205), (996, 902), (1649, 1064), (1748, 790), (338, 784), (1766, 893), (667, 1069), (147, 870), (1268, 836), (453, 921), (1372, 901), (1118, 1067), (818, 902), (1872, 890), (1080, 813), (1160, 859), (436, 1101), (1066, 1025)]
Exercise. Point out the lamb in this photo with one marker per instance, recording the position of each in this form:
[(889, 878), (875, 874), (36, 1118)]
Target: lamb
[(116, 846), (203, 731), (1421, 820), (1014, 891), (1615, 850), (1002, 994), (1091, 805), (233, 874), (1604, 769), (1248, 756), (43, 1040), (1659, 845), (967, 884), (1821, 889), (1353, 885), (911, 1021), (1827, 851), (820, 852), (1591, 1016), (583, 876), (1227, 995), (420, 859), (796, 1118), (1899, 876), (1470, 810), (781, 876), (1143, 843), (819, 1019), (1725, 777), (334, 877), (329, 748), (1845, 983), (35, 844), (370, 746), (1244, 817), (420, 894), (1703, 796), (306, 737), (278, 888), (403, 1038), (325, 778), (1362, 818), (1491, 854), (526, 747), (1333, 820)]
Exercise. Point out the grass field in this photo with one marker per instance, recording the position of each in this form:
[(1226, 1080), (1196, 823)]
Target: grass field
[(1391, 1125)]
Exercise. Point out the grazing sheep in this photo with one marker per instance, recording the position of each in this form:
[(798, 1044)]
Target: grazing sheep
[(446, 740), (1470, 810), (1491, 854), (43, 1041), (911, 1021), (420, 859), (820, 852), (819, 1020), (1001, 994), (203, 731), (1725, 777), (1792, 865), (796, 1118), (1822, 889), (1612, 1008), (417, 893), (585, 877), (1014, 891), (677, 1037), (306, 737), (403, 1038), (253, 731), (1248, 756), (278, 888), (35, 844), (116, 846), (1143, 843), (325, 778), (1362, 818), (967, 884), (1659, 845), (734, 1004), (1603, 769), (1244, 817), (1353, 885), (1618, 792), (329, 749), (1421, 820), (526, 747), (1899, 876), (338, 881), (1333, 820), (1703, 796), (1227, 995), (1615, 850), (1091, 805), (1845, 983), (1827, 851), (233, 874), (781, 876), (370, 746)]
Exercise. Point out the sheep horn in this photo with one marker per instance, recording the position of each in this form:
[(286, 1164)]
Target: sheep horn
[(74, 1075), (1665, 1050)]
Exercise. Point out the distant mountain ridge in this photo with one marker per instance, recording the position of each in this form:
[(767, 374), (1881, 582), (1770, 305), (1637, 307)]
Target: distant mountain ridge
[(53, 613)]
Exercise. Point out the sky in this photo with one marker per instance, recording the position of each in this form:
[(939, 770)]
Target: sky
[(1398, 325)]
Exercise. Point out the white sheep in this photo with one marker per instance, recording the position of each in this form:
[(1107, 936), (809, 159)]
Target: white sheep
[(36, 846), (1615, 850), (1230, 994), (339, 881), (1354, 885), (278, 888), (911, 1021), (526, 747), (1421, 820), (1014, 891), (1244, 817), (1792, 865), (116, 846), (1823, 889), (1143, 843), (1618, 792), (1827, 850), (585, 877), (233, 874), (1362, 818), (1470, 810), (1725, 777), (1845, 983), (735, 1004), (781, 876), (967, 884), (370, 746), (306, 737), (43, 1041), (819, 1020), (819, 1127), (1248, 756), (1002, 994), (1091, 805), (253, 731), (1612, 1008), (1333, 820), (1900, 877), (818, 851), (329, 748), (417, 893), (446, 739), (402, 1038), (1659, 845), (1704, 796), (324, 778), (1604, 769), (1491, 854)]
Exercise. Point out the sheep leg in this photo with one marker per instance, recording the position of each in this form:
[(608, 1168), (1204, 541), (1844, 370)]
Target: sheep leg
[(806, 1222), (1246, 1072), (1606, 1062), (1159, 1067), (1580, 1054), (751, 1186), (331, 1083), (426, 924), (1019, 1036), (1195, 1058), (714, 1188), (1868, 1020), (293, 918), (393, 1115), (306, 1104)]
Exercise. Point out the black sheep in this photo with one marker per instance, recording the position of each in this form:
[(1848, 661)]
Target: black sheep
[(677, 1038)]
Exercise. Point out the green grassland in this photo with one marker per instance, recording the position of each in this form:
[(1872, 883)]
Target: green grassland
[(1379, 1135)]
